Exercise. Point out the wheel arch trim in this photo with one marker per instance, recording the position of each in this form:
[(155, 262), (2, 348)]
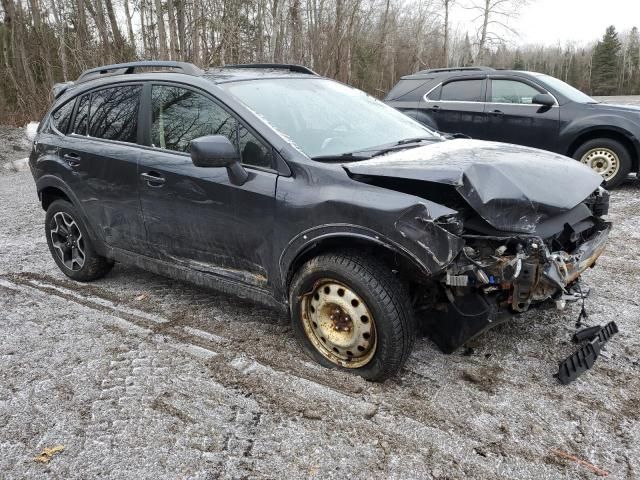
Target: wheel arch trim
[(52, 181), (307, 240)]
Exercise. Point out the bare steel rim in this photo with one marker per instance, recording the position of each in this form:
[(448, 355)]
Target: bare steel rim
[(603, 161), (339, 324), (67, 241)]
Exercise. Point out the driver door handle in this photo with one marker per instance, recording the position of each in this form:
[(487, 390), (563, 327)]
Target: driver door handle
[(153, 179), (497, 113)]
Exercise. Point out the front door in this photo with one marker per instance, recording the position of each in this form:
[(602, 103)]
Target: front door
[(193, 215), (513, 118)]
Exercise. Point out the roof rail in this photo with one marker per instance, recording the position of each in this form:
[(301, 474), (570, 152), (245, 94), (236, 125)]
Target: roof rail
[(457, 69), (282, 66), (127, 68)]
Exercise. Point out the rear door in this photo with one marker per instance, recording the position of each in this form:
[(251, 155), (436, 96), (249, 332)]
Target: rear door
[(194, 215), (513, 118), (457, 106), (101, 156)]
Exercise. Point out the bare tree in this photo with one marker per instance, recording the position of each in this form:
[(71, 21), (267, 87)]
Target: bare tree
[(494, 16)]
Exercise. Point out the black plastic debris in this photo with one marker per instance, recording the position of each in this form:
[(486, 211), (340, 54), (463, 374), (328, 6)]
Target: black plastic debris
[(584, 358), (588, 333)]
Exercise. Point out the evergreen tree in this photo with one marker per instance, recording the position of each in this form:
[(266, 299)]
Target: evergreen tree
[(518, 63), (466, 58), (604, 76)]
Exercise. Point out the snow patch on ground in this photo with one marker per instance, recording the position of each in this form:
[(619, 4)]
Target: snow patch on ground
[(30, 130)]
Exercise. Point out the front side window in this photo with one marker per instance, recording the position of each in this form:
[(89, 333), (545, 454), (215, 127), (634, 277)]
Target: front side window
[(180, 115), (511, 91), (252, 151), (62, 117), (462, 91), (114, 113)]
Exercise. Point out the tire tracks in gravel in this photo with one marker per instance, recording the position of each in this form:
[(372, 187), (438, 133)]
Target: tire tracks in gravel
[(361, 411)]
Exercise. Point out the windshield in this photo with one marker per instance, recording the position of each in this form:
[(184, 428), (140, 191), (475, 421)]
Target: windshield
[(324, 118), (567, 90)]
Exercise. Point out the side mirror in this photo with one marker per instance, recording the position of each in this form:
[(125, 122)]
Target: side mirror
[(544, 99), (218, 151)]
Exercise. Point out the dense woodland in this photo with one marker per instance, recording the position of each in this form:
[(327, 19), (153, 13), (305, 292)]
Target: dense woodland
[(366, 43)]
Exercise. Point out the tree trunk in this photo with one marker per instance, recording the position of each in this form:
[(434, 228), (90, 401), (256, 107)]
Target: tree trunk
[(115, 31), (173, 31), (182, 41), (127, 13), (162, 36)]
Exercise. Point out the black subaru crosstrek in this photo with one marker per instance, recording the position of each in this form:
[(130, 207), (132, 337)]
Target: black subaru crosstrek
[(524, 108), (286, 188)]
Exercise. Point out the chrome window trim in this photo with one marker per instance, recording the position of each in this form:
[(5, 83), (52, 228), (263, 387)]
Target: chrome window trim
[(427, 100)]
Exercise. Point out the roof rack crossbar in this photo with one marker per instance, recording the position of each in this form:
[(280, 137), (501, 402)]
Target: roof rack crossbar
[(128, 68), (283, 66), (457, 69)]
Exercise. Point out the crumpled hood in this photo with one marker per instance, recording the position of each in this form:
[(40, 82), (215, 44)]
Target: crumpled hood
[(513, 188)]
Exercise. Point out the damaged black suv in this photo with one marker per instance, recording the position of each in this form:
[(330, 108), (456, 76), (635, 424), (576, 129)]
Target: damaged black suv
[(286, 188)]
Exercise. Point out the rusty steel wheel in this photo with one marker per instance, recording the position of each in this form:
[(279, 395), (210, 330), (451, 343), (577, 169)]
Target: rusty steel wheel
[(350, 310), (339, 324)]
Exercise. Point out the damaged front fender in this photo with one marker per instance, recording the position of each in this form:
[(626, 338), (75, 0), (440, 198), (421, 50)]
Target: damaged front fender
[(438, 245)]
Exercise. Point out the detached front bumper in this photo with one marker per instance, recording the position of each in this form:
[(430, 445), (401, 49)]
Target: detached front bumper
[(564, 269)]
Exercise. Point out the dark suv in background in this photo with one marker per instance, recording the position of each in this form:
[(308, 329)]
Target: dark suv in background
[(524, 108)]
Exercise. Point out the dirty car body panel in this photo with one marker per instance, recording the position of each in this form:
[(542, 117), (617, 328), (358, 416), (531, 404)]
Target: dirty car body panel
[(479, 230)]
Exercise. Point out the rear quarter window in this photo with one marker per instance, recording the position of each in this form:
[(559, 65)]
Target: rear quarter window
[(61, 117), (409, 89)]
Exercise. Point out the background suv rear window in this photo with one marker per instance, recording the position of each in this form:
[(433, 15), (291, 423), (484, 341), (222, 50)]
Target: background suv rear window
[(114, 113), (462, 91)]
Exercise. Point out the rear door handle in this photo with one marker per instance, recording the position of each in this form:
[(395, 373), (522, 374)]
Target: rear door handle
[(153, 179), (435, 108), (72, 159), (497, 113)]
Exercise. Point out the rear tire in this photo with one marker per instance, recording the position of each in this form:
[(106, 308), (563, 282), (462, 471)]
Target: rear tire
[(605, 156), (374, 330), (70, 245)]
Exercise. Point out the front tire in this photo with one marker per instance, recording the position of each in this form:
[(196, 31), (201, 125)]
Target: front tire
[(349, 311), (605, 156), (70, 245)]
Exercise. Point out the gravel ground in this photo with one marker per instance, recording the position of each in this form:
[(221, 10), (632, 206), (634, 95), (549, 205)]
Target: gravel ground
[(138, 376)]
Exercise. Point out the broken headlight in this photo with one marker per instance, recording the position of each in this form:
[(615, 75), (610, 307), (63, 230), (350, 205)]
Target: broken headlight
[(451, 223)]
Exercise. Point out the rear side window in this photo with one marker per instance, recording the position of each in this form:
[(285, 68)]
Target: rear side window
[(114, 113), (82, 116), (462, 91), (62, 117)]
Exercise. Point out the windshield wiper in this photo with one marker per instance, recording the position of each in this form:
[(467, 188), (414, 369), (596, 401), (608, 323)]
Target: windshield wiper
[(342, 157), (358, 155), (400, 145)]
